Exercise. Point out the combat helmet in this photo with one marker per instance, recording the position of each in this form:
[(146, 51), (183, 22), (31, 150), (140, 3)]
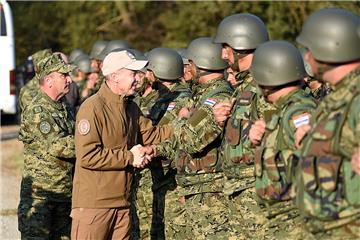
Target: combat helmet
[(332, 35), (276, 63), (75, 53), (97, 48), (205, 54), (242, 31), (114, 44), (182, 52), (83, 62), (165, 63)]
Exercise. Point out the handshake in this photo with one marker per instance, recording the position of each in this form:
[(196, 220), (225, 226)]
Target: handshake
[(142, 155)]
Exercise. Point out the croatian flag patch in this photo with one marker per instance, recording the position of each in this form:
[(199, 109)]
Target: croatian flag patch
[(301, 119), (171, 106), (211, 102)]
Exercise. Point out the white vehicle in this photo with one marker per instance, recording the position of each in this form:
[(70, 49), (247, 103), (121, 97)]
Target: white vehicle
[(7, 61)]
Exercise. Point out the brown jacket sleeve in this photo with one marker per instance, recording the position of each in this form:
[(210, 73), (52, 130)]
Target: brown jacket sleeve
[(152, 134), (90, 151)]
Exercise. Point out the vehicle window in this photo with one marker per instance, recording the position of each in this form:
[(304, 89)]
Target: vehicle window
[(2, 20)]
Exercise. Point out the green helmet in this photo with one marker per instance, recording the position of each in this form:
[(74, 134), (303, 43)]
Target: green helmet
[(242, 31), (332, 35), (182, 52), (83, 62), (97, 48), (75, 53), (165, 63), (276, 63), (114, 44), (206, 54)]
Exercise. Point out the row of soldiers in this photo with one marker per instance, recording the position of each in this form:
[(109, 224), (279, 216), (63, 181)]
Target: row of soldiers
[(261, 149)]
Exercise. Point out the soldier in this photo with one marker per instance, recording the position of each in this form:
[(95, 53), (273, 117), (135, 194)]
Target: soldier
[(29, 91), (194, 209), (95, 54), (165, 69), (327, 188), (75, 53), (278, 69), (187, 68), (47, 128), (240, 35), (110, 128)]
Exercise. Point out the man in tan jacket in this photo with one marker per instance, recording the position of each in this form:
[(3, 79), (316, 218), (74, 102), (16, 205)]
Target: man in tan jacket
[(109, 131)]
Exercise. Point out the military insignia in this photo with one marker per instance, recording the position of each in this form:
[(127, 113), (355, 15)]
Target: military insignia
[(83, 126), (301, 119), (45, 127), (210, 102), (171, 106), (37, 109)]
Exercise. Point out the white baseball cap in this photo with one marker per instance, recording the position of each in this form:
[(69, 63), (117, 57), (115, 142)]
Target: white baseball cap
[(123, 59)]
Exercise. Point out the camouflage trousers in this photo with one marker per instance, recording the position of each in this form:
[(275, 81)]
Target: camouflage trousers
[(196, 211), (44, 219), (149, 191)]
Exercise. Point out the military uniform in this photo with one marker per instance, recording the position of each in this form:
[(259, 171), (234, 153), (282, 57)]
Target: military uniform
[(325, 179), (46, 130), (193, 147)]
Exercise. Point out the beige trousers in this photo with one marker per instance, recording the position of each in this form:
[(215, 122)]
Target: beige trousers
[(98, 224)]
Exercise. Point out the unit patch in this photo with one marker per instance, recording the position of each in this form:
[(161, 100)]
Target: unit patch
[(45, 127), (83, 126), (301, 119)]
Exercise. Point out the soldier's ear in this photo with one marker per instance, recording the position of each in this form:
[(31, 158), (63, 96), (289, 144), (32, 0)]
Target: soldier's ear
[(48, 81)]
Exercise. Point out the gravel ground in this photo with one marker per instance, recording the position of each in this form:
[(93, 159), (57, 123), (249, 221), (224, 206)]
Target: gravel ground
[(10, 177)]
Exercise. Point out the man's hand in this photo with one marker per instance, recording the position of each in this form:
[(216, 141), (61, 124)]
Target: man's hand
[(300, 133), (355, 161), (257, 131), (149, 151), (184, 113), (222, 111), (139, 156)]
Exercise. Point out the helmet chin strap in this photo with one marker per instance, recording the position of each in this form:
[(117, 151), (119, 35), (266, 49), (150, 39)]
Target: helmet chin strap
[(200, 74)]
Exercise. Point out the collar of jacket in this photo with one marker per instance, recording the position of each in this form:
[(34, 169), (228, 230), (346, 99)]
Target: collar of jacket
[(109, 96), (55, 104), (281, 102)]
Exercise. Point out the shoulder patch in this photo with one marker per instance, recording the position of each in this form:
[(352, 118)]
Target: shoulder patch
[(210, 102), (37, 109), (171, 106), (83, 127), (45, 127), (301, 119)]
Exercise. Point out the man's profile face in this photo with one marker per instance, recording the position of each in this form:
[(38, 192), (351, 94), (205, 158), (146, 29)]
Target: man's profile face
[(227, 54), (60, 82), (126, 81)]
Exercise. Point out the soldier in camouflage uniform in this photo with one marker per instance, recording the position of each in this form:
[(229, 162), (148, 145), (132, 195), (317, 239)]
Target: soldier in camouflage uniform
[(194, 209), (327, 188), (30, 90), (165, 69), (240, 35), (47, 128), (281, 84)]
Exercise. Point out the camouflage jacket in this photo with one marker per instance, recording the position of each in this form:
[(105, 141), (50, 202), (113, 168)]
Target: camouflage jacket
[(193, 145), (146, 103), (169, 103), (28, 92), (326, 186), (236, 151), (273, 158), (47, 129)]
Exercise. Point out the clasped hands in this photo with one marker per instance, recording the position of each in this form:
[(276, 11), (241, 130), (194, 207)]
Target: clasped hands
[(142, 155)]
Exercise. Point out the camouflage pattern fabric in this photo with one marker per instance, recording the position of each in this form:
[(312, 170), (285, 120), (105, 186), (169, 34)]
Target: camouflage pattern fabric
[(327, 190), (273, 160), (199, 184), (28, 92), (145, 103), (150, 185), (34, 215), (46, 130)]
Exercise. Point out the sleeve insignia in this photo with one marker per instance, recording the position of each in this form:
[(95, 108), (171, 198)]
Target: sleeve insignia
[(45, 127), (301, 119), (171, 106), (83, 126), (210, 102), (37, 109)]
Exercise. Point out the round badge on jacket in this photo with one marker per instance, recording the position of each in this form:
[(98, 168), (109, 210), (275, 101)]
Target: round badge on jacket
[(45, 127), (83, 126)]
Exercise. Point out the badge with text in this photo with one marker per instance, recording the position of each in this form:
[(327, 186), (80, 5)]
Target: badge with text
[(83, 126)]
